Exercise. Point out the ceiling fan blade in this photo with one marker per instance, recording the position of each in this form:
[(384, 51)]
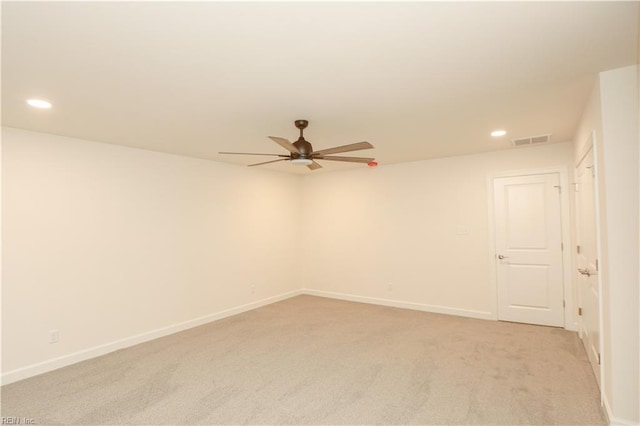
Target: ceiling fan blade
[(285, 144), (253, 153), (267, 162), (314, 166), (349, 159), (345, 148)]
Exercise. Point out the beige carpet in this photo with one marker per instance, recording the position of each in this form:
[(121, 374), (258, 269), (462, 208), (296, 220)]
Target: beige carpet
[(311, 360)]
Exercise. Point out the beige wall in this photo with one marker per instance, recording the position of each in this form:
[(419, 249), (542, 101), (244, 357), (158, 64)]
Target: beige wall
[(612, 114), (103, 243), (422, 227), (590, 121), (618, 90)]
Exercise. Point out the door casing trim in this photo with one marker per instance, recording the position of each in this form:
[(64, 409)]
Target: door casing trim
[(592, 144)]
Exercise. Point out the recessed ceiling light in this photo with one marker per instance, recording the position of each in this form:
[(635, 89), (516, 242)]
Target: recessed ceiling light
[(498, 133), (39, 103)]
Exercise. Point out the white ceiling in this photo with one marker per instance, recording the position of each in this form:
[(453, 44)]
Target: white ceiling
[(418, 80)]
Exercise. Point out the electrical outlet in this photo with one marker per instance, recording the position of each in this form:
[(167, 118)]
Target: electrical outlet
[(253, 289), (54, 336), (390, 287)]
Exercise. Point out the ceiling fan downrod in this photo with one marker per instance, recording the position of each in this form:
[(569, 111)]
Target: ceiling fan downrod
[(301, 124)]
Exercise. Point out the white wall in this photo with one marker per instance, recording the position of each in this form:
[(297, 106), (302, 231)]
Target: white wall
[(591, 120), (612, 113), (618, 92), (422, 226), (103, 242)]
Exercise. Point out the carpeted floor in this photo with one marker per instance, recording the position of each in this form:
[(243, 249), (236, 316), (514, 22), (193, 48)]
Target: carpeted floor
[(311, 360)]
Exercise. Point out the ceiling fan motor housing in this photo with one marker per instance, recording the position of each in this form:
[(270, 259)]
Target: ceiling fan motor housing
[(304, 149)]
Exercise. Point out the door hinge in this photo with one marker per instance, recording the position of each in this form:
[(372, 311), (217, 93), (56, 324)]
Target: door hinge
[(578, 249), (561, 246), (597, 267), (599, 361), (580, 311), (564, 304)]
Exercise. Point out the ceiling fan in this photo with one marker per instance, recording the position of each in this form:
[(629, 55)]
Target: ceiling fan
[(301, 152)]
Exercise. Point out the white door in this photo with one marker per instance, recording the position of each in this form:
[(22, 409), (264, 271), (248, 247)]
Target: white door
[(588, 290), (528, 237)]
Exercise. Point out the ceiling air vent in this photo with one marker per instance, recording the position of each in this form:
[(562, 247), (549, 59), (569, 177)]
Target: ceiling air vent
[(531, 140)]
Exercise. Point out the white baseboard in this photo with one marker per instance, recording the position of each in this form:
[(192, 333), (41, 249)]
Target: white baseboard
[(572, 326), (63, 361), (615, 420), (401, 304)]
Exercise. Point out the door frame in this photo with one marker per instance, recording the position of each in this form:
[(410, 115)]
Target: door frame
[(570, 322), (592, 144)]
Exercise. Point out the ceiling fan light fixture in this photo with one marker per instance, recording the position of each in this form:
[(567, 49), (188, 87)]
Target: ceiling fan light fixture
[(301, 161)]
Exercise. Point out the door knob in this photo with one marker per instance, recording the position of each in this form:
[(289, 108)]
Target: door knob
[(500, 256), (586, 272)]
